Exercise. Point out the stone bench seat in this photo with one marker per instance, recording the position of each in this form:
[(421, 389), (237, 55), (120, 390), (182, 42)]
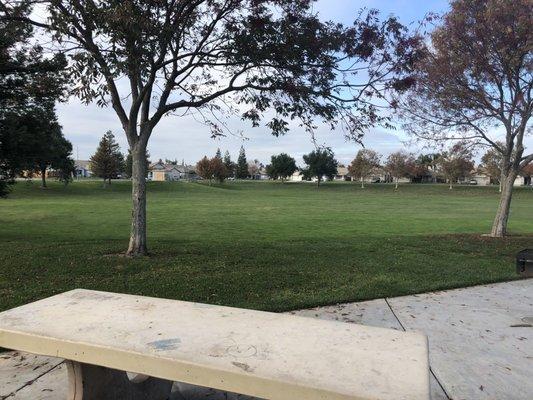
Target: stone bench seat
[(261, 354)]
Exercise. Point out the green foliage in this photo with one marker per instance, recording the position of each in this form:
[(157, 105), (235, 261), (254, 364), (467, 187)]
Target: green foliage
[(241, 172), (281, 166), (320, 163), (30, 84), (108, 162), (230, 165)]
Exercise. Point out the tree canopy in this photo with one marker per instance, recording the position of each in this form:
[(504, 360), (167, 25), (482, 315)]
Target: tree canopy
[(474, 81), (364, 164), (30, 84), (320, 163), (281, 166)]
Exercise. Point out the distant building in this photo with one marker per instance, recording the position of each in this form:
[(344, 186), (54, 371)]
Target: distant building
[(522, 181), (342, 174), (82, 169), (161, 171), (479, 179), (297, 176)]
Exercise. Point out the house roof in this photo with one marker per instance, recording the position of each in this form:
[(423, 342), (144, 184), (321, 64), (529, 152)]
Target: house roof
[(342, 171), (167, 167)]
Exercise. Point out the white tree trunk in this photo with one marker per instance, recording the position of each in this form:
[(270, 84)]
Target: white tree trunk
[(499, 226), (137, 246)]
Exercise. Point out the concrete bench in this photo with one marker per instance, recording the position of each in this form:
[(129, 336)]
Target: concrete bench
[(266, 355)]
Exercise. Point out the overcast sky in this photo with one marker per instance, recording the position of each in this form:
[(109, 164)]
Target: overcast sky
[(184, 138)]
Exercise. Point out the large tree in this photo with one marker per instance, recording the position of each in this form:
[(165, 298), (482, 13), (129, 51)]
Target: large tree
[(475, 83), (204, 56), (281, 166), (320, 163), (364, 164), (30, 84)]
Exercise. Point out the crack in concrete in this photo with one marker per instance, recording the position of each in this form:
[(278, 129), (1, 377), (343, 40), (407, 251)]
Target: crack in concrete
[(430, 369), (31, 381)]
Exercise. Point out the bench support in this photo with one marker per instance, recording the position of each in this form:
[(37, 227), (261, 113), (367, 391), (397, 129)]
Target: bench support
[(90, 382)]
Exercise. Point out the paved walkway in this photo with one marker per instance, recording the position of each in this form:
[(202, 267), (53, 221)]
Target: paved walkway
[(480, 338)]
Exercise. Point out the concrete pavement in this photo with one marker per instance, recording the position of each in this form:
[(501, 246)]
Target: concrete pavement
[(480, 338)]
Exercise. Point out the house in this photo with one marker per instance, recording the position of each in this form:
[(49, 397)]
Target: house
[(342, 174), (522, 180), (161, 171), (297, 176), (481, 179), (82, 169)]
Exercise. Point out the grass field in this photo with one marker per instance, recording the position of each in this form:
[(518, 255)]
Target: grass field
[(257, 245)]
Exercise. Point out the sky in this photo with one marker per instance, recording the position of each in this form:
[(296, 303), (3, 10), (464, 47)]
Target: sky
[(183, 138)]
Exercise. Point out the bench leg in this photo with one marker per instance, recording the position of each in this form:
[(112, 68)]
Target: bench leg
[(90, 382)]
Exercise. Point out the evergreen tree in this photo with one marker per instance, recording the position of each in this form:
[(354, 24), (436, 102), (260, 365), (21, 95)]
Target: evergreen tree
[(30, 83), (230, 165), (218, 154), (108, 162), (242, 165)]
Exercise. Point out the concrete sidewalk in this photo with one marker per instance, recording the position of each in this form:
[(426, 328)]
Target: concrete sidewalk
[(480, 338)]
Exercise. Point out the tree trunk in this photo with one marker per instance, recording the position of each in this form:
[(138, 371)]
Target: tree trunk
[(43, 177), (396, 184), (499, 227), (137, 246), (362, 183), (318, 182)]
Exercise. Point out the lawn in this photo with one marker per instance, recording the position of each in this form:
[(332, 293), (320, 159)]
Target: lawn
[(259, 245)]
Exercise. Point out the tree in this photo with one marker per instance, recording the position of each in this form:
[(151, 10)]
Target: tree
[(398, 165), (218, 154), (474, 80), (320, 163), (230, 165), (108, 162), (241, 171), (30, 84), (491, 165), (456, 163), (128, 166), (281, 166), (49, 149), (204, 169), (181, 56), (364, 164), (220, 173)]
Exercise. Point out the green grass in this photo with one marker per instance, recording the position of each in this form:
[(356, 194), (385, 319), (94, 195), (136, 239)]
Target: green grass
[(257, 245)]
